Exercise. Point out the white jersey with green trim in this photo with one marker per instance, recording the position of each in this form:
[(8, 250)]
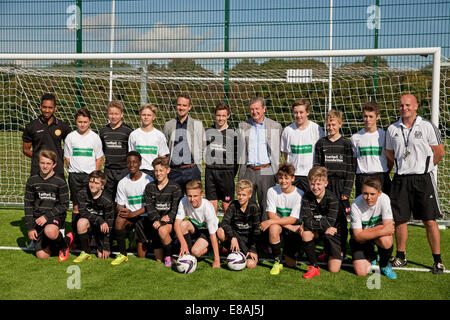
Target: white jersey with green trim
[(203, 217), (82, 151), (149, 144), (299, 146), (130, 194), (369, 151), (284, 204), (364, 217)]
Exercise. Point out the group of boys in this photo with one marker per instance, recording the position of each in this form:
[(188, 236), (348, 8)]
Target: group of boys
[(147, 173)]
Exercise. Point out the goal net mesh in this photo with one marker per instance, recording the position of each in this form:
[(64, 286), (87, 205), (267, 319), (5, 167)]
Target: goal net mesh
[(159, 82)]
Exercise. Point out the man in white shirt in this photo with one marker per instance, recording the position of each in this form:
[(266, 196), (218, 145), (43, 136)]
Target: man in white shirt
[(415, 146)]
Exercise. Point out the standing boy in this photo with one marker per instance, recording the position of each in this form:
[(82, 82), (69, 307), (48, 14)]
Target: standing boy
[(114, 138), (162, 197), (298, 142), (46, 202), (130, 201), (147, 140), (283, 209), (201, 225), (83, 154), (335, 153), (239, 229), (321, 219), (372, 224), (369, 150), (96, 215), (221, 159)]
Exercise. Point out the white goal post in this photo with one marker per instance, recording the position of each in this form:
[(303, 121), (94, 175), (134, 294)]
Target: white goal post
[(18, 82)]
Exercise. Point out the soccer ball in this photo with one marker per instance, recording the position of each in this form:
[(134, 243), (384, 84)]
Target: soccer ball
[(187, 264), (236, 261)]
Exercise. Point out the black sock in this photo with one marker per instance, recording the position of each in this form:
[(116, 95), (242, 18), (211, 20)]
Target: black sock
[(276, 251), (310, 249), (120, 237), (401, 254), (437, 258), (84, 241), (61, 242), (188, 239), (385, 255), (167, 249)]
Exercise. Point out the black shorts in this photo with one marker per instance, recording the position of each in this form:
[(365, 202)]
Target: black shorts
[(219, 184), (383, 176), (77, 182), (113, 178), (416, 194), (302, 183), (292, 244), (335, 246), (242, 241), (145, 233), (42, 241), (362, 251)]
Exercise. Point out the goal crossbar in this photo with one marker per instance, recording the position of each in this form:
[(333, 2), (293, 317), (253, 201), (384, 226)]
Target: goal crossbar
[(434, 51)]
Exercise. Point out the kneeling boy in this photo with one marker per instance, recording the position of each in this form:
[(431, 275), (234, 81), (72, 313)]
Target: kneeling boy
[(96, 215), (283, 208), (162, 197), (372, 224), (321, 218), (239, 229), (46, 202), (202, 224)]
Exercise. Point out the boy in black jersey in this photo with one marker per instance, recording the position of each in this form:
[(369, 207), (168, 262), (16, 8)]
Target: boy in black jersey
[(162, 197), (322, 219), (221, 159), (114, 138), (46, 202), (335, 153), (239, 229), (96, 215)]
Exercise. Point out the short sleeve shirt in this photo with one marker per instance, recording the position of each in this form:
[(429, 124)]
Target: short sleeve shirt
[(368, 149), (131, 194), (364, 217), (43, 136), (284, 204), (415, 143), (203, 217)]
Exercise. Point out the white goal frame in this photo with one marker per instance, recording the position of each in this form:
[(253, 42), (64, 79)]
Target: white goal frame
[(434, 51)]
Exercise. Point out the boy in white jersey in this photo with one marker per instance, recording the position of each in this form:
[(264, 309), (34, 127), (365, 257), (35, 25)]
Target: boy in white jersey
[(283, 208), (298, 141), (369, 150), (83, 154), (372, 224), (201, 224), (147, 140), (131, 208)]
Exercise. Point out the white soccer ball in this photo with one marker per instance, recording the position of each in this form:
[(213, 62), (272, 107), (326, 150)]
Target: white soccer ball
[(236, 261), (186, 263)]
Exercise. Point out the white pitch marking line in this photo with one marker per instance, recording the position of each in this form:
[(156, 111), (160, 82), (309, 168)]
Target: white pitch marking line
[(263, 259)]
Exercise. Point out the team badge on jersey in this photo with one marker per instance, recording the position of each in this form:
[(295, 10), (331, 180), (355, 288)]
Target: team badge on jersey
[(57, 132), (418, 135)]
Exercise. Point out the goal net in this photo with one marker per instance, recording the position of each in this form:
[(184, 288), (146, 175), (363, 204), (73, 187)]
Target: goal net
[(89, 81)]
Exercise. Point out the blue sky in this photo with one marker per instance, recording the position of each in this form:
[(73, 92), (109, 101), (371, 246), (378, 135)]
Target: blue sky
[(197, 25)]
